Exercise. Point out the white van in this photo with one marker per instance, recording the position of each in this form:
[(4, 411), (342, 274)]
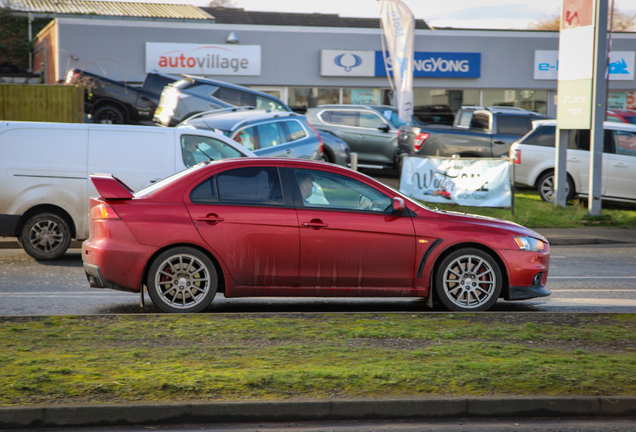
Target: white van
[(44, 168)]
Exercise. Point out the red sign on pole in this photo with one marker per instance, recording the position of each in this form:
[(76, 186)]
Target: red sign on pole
[(577, 13)]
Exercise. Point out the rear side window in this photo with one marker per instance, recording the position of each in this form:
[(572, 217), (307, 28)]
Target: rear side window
[(293, 130), (269, 134), (326, 116), (541, 136), (513, 125), (250, 186), (344, 118), (369, 120), (205, 193), (246, 137), (235, 97), (268, 104), (465, 118)]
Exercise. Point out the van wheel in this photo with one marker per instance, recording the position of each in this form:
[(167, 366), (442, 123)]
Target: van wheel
[(108, 114), (181, 280), (45, 236), (545, 187)]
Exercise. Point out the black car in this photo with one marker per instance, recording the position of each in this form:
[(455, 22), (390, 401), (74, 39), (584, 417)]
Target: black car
[(193, 95)]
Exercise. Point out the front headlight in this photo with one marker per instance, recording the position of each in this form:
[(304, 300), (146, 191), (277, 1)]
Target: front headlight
[(529, 244)]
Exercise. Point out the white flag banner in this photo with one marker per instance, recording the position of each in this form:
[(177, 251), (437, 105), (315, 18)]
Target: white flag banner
[(398, 25), (469, 182)]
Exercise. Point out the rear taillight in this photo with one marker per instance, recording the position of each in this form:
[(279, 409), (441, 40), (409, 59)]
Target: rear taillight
[(70, 77), (517, 156), (322, 145), (399, 133), (103, 211), (420, 139)]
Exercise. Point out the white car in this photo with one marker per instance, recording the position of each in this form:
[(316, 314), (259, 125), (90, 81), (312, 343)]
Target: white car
[(534, 156)]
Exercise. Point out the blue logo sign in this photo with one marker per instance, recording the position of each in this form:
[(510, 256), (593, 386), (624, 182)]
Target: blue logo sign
[(437, 65), (618, 67), (357, 61)]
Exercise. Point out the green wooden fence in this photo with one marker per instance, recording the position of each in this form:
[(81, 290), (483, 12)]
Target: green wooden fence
[(42, 102)]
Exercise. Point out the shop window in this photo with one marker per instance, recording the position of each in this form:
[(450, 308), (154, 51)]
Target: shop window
[(438, 106), (531, 100)]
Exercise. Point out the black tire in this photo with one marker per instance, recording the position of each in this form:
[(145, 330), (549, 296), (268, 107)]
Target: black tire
[(545, 187), (176, 289), (327, 156), (45, 236), (108, 114), (468, 280)]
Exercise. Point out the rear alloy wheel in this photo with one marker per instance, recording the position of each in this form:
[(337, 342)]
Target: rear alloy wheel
[(182, 279), (108, 114), (45, 236), (468, 280), (545, 187)]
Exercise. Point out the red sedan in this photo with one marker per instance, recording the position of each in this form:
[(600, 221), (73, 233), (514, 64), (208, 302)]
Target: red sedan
[(275, 227)]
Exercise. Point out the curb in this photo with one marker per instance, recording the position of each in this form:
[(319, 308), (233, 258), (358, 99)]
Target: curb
[(313, 410)]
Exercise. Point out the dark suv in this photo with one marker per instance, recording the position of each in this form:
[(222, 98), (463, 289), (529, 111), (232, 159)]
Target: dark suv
[(192, 95), (369, 130), (268, 134)]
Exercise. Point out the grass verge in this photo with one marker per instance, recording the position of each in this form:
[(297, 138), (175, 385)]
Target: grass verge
[(532, 212), (203, 357)]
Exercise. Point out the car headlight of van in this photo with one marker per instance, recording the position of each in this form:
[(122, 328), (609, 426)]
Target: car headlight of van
[(529, 243)]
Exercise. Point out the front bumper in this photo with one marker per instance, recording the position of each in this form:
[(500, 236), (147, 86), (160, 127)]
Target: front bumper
[(527, 292)]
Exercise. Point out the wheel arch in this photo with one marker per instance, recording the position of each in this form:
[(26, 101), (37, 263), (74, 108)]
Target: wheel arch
[(551, 170), (206, 252), (46, 208), (502, 265)]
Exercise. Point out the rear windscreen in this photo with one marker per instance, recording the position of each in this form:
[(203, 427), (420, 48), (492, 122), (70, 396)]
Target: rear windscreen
[(541, 136)]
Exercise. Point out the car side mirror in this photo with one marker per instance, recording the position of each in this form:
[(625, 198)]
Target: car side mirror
[(398, 205), (384, 127)]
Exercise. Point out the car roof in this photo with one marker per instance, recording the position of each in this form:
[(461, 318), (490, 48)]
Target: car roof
[(229, 118), (352, 106), (229, 85), (606, 125)]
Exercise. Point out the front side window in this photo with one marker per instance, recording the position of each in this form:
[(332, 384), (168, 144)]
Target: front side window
[(369, 120), (196, 148), (321, 189), (626, 143), (246, 137), (250, 186)]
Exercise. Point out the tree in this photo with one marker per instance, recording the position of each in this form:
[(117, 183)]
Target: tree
[(623, 22), (222, 3)]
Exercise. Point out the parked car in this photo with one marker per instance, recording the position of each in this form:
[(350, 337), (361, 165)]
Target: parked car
[(192, 95), (369, 130), (113, 102), (621, 116), (476, 132), (249, 227), (334, 150), (535, 161), (44, 171), (269, 134)]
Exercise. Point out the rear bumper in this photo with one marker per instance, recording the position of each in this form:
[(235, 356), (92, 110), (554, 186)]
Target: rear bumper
[(96, 279)]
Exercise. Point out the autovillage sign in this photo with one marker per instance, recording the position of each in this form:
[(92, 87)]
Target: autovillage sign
[(425, 64), (203, 59)]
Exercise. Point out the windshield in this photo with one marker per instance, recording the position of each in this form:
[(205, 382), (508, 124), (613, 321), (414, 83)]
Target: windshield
[(392, 116)]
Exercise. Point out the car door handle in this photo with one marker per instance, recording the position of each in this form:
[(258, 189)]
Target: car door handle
[(289, 151), (620, 165), (155, 180), (360, 136), (315, 224), (211, 219), (500, 142), (573, 159)]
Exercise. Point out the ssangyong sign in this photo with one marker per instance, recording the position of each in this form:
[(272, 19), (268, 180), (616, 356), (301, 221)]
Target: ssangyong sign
[(439, 65), (203, 59)]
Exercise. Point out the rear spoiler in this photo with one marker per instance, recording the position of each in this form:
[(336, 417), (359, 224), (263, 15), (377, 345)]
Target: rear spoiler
[(110, 187)]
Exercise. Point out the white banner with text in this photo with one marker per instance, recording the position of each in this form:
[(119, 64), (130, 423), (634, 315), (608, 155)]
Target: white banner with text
[(482, 182)]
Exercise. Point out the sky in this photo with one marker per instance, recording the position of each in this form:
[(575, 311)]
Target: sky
[(495, 14)]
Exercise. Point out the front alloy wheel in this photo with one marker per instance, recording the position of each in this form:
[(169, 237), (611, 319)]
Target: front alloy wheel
[(468, 280), (182, 280)]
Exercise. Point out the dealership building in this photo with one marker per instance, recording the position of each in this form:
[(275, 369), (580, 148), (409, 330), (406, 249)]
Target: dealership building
[(310, 59)]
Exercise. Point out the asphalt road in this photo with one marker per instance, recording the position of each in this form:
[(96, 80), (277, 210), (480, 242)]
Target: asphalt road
[(595, 278)]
